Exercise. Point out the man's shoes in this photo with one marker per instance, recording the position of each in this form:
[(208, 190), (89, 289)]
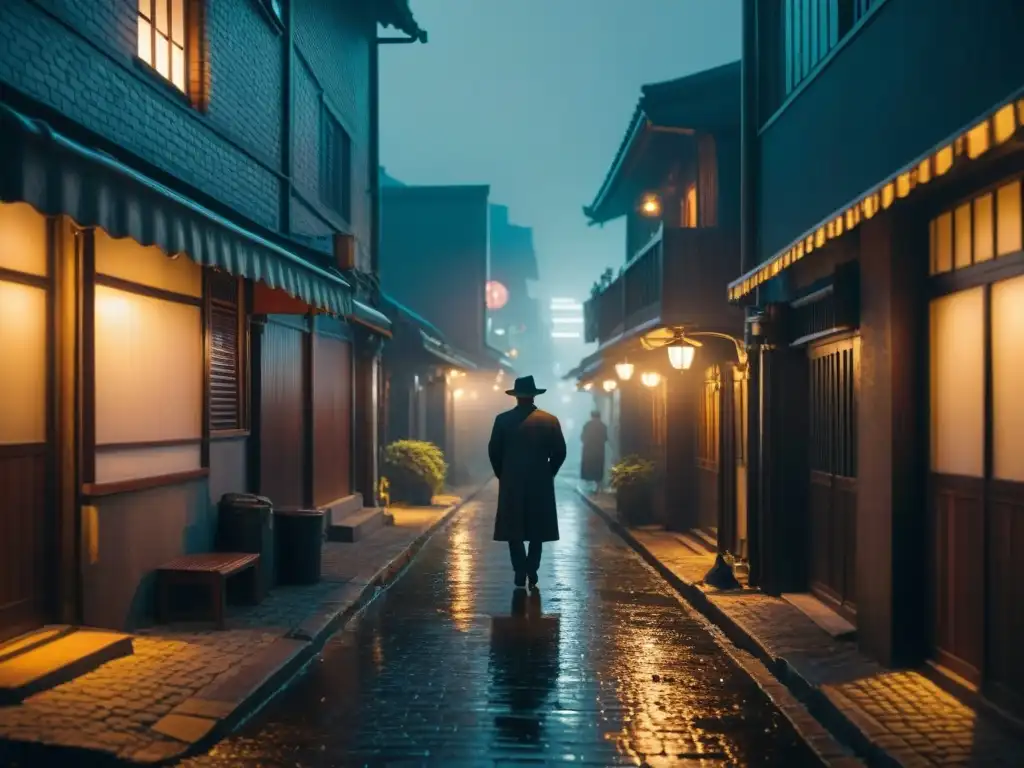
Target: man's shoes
[(533, 580), (520, 580)]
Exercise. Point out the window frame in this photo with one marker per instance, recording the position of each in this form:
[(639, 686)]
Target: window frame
[(335, 165)]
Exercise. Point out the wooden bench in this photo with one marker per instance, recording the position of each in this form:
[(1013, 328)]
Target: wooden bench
[(210, 571)]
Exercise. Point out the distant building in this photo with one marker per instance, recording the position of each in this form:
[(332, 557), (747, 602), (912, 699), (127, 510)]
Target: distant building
[(435, 252), (517, 327)]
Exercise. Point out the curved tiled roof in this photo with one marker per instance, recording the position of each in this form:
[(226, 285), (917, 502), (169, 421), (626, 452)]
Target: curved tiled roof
[(398, 14), (702, 101)]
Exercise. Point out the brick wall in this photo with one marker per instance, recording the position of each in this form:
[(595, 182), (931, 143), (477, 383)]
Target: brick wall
[(333, 43), (78, 57)]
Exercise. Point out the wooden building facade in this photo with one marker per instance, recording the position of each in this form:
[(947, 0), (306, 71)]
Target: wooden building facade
[(676, 181), (883, 278), (178, 314)]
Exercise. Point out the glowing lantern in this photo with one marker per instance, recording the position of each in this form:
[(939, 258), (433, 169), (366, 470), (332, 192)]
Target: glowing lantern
[(497, 295), (650, 378)]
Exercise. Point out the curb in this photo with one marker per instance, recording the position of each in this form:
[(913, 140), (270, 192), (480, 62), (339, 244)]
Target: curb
[(822, 704), (216, 711)]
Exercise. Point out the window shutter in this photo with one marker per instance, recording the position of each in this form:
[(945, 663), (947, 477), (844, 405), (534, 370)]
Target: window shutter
[(225, 408)]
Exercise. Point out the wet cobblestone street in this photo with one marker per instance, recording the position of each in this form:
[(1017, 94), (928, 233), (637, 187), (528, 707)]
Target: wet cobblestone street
[(451, 667)]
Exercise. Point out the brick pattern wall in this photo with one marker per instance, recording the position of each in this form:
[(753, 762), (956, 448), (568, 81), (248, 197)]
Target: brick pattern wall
[(78, 57), (333, 42)]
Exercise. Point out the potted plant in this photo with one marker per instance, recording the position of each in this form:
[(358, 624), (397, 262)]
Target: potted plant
[(415, 471), (633, 481)]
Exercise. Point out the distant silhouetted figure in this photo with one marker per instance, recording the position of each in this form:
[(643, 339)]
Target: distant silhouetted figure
[(526, 451), (595, 435)]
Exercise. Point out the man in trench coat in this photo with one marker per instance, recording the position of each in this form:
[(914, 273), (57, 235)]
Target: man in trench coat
[(526, 450)]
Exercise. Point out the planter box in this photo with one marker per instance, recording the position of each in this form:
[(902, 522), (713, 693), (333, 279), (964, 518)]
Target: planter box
[(634, 504)]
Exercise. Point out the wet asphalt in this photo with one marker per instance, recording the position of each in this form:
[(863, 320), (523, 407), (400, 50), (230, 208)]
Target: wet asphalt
[(451, 666)]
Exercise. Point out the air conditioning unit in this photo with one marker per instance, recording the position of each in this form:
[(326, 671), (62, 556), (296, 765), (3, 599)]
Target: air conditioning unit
[(344, 250)]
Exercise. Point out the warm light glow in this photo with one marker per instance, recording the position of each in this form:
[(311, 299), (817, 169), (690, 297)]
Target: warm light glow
[(651, 206), (624, 371), (651, 378), (161, 38), (457, 394), (513, 352), (496, 388), (588, 386), (609, 385), (496, 294), (23, 346), (681, 356)]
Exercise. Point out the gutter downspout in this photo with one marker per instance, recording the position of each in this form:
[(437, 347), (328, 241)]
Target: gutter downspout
[(287, 121), (748, 256)]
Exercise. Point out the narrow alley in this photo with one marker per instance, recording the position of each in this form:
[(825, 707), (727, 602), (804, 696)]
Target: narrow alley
[(603, 667)]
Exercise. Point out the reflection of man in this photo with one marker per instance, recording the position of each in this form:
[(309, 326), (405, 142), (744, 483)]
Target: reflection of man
[(595, 435), (524, 669), (526, 451)]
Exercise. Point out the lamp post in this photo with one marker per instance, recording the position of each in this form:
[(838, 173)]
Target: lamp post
[(681, 355)]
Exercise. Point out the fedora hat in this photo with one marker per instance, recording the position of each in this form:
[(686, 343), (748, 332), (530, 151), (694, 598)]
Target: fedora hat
[(524, 387)]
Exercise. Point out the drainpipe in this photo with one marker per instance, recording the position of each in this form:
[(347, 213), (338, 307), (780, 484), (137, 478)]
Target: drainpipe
[(287, 117), (748, 257)]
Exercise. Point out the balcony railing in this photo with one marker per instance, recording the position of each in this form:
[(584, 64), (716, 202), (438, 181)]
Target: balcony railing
[(678, 278)]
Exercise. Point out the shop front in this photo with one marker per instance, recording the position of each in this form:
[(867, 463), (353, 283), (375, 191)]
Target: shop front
[(126, 405)]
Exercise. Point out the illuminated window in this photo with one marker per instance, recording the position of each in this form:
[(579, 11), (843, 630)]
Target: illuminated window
[(335, 165), (162, 25), (688, 216), (977, 230)]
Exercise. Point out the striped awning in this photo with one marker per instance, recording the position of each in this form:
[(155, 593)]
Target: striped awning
[(989, 131), (58, 176)]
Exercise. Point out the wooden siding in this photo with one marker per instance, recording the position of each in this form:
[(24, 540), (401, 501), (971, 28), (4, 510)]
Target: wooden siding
[(332, 419), (282, 415), (25, 553)]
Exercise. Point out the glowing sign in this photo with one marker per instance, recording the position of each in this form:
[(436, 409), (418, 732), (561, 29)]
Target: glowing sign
[(497, 294)]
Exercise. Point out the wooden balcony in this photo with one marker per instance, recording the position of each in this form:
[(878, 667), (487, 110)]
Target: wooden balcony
[(678, 278)]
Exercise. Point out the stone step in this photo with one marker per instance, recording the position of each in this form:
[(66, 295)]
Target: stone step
[(61, 657), (821, 614), (341, 508), (27, 642), (359, 525)]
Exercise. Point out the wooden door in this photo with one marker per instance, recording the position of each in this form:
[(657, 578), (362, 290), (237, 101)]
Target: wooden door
[(709, 419), (332, 418), (282, 438), (834, 374), (27, 556), (976, 486)]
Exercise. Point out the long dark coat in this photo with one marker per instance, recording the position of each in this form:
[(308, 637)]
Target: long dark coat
[(595, 435), (526, 450)]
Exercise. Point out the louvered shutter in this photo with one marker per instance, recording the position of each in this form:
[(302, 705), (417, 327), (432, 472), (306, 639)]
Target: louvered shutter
[(225, 408)]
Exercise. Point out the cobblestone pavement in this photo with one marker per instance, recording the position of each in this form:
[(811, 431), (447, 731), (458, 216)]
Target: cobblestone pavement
[(453, 667), (902, 713), (114, 709)]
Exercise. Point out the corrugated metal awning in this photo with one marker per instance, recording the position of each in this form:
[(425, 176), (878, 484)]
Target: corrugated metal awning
[(58, 176)]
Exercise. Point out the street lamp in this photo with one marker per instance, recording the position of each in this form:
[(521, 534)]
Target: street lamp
[(650, 379), (609, 385), (681, 356), (624, 370), (650, 206)]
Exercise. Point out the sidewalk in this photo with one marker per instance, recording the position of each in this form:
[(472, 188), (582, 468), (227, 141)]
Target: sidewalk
[(186, 686), (891, 717)]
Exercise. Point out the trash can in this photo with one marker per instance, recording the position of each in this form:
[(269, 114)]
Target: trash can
[(245, 523), (298, 540)]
